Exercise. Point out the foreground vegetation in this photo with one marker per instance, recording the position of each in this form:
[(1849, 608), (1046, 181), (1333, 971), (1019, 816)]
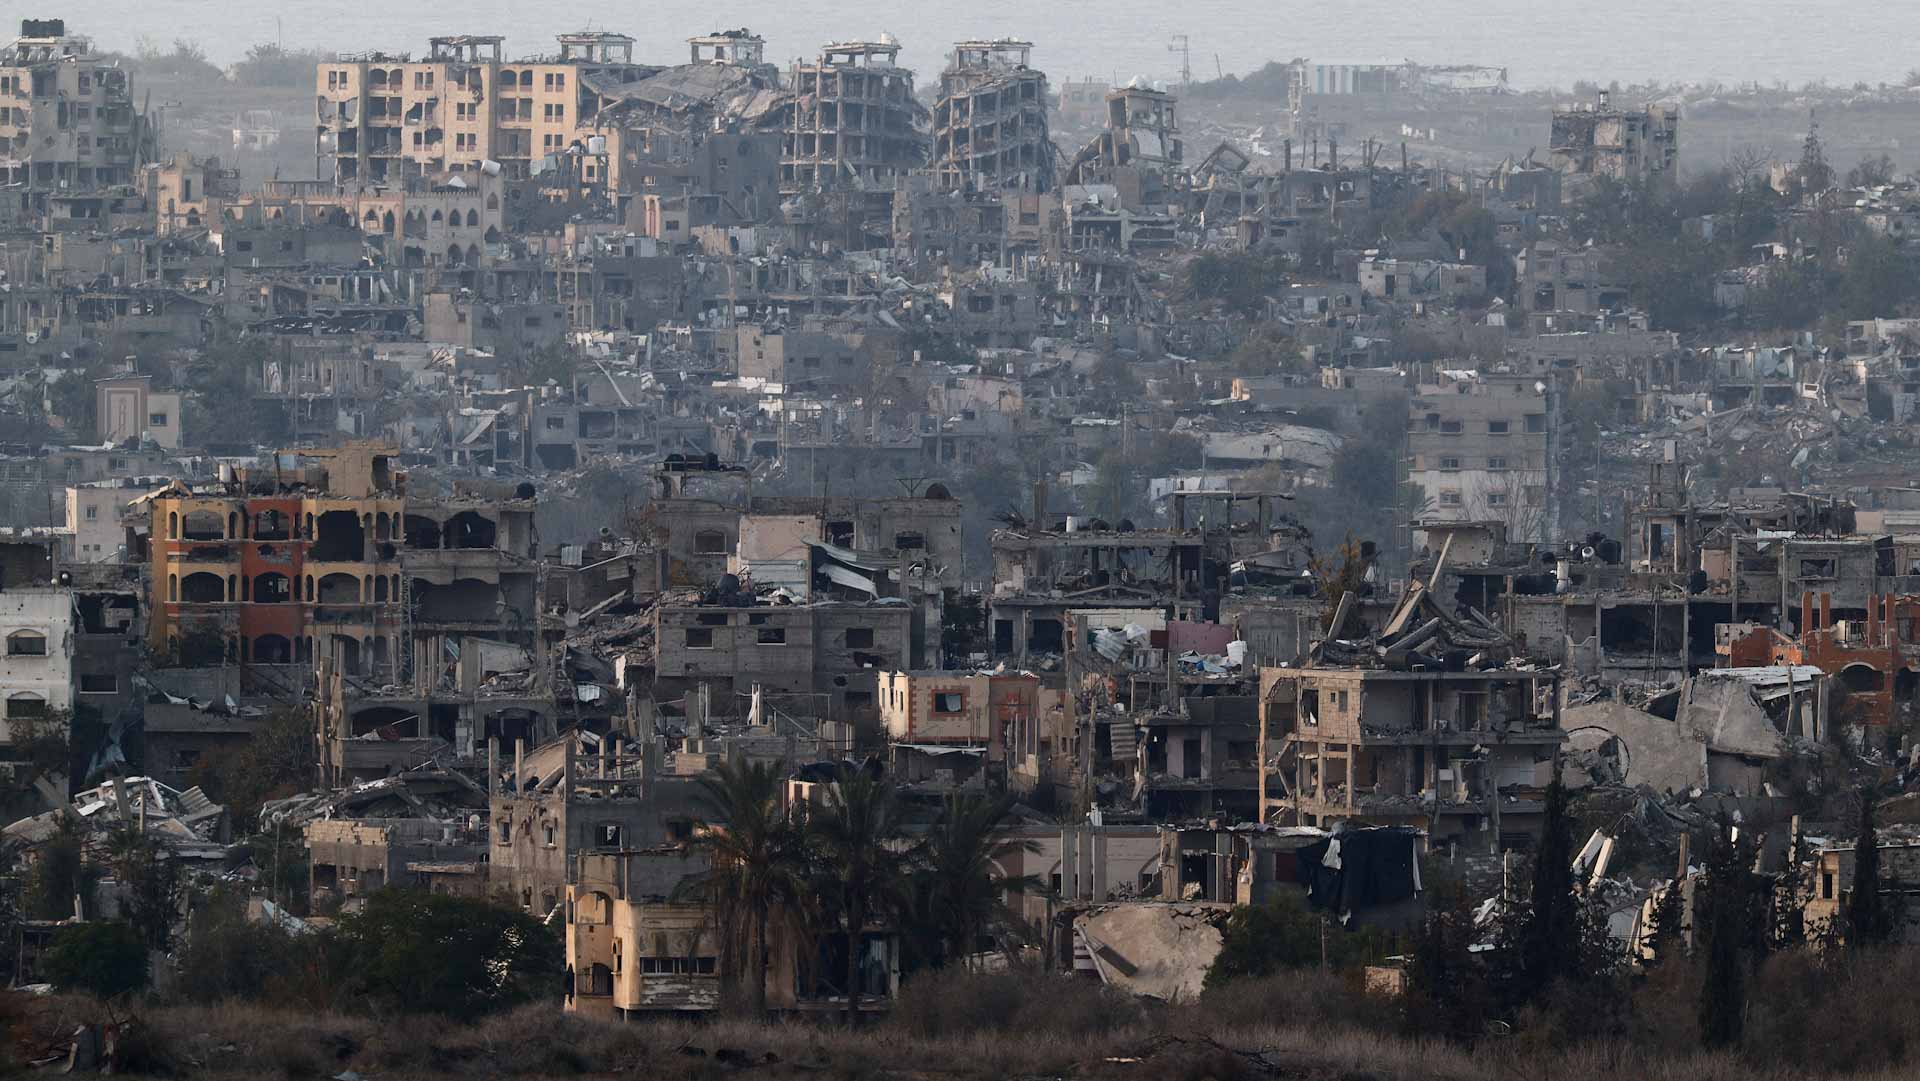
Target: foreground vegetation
[(1306, 1025)]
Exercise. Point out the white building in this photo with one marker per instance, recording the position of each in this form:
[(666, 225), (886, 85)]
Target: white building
[(36, 664), (96, 516)]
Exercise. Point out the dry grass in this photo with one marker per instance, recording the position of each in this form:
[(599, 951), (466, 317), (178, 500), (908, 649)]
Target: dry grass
[(1305, 1027)]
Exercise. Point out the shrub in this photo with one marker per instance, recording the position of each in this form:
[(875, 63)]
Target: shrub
[(1304, 997), (103, 959), (1283, 933), (427, 953), (954, 1002)]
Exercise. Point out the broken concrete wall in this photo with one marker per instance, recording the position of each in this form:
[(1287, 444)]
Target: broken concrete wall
[(1158, 950)]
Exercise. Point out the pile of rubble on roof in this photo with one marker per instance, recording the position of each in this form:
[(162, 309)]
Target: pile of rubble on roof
[(1420, 635), (187, 825), (429, 791)]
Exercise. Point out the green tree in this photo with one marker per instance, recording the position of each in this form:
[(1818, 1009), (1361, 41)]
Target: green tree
[(224, 956), (1240, 280), (104, 958), (1283, 933), (153, 889), (1549, 939), (1724, 925), (1878, 280), (1667, 938), (419, 952), (185, 60), (959, 887), (1447, 993), (1814, 176), (1870, 919), (60, 874), (270, 64), (758, 866), (859, 837), (71, 398), (1342, 571), (280, 760)]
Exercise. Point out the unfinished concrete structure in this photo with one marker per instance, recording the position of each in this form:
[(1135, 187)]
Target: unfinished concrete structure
[(1139, 153), (1462, 753), (990, 120), (637, 944), (69, 120), (578, 795), (1599, 140), (853, 120)]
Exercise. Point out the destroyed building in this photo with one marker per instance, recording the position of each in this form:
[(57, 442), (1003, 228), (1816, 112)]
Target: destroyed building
[(72, 125), (562, 803), (854, 119), (1599, 140), (990, 120), (385, 119), (1435, 720)]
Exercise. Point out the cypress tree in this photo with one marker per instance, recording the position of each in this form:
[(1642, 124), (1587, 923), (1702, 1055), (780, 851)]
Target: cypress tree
[(1869, 920), (1724, 918), (1550, 935)]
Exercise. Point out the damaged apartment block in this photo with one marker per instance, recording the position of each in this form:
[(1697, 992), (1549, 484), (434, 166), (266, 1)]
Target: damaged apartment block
[(575, 797), (854, 119), (1432, 722), (990, 120), (415, 621)]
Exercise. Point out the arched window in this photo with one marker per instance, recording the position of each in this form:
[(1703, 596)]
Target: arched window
[(25, 706), (473, 218), (26, 644)]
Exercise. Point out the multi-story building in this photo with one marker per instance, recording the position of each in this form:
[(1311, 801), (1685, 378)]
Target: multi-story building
[(1456, 752), (1599, 140), (1554, 278), (1481, 448), (990, 120), (570, 799), (67, 119), (854, 118), (943, 720), (98, 515), (283, 565), (36, 632), (383, 119)]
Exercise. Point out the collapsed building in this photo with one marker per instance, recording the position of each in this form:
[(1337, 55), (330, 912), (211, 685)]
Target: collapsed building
[(1599, 140), (853, 119), (990, 120), (1436, 721)]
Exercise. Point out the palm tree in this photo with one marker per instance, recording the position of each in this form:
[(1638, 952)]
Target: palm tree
[(962, 884), (858, 837), (756, 859)]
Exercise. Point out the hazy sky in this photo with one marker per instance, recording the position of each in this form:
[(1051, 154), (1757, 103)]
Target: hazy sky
[(1542, 42)]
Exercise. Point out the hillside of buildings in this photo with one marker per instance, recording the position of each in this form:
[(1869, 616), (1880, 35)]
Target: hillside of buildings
[(633, 550)]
